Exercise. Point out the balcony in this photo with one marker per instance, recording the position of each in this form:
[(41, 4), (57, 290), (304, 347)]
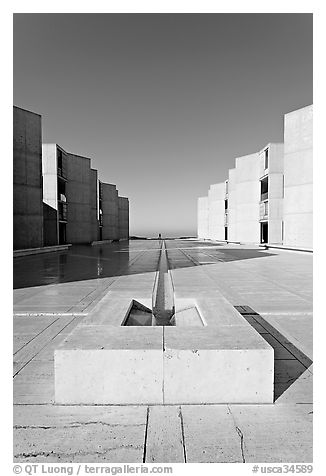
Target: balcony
[(264, 196), (263, 210), (62, 209)]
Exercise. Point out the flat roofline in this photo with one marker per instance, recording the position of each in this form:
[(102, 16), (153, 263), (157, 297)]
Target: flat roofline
[(27, 110), (106, 183)]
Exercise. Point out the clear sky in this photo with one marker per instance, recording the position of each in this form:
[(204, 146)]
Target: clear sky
[(162, 103)]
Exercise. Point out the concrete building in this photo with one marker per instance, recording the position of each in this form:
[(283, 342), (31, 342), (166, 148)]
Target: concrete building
[(202, 214), (57, 197), (123, 218), (69, 183), (268, 195), (27, 180), (298, 178)]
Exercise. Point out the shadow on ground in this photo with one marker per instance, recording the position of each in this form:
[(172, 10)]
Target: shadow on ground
[(289, 362), (85, 262)]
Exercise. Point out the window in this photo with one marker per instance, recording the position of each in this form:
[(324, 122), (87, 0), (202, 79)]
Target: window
[(264, 189), (266, 154), (226, 206)]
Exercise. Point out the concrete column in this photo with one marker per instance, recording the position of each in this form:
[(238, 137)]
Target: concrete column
[(123, 218), (94, 211), (202, 218), (216, 197), (232, 209), (110, 209), (79, 223), (27, 180), (248, 197), (298, 178)]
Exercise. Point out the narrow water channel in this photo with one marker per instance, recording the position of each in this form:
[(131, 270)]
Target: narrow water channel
[(163, 309)]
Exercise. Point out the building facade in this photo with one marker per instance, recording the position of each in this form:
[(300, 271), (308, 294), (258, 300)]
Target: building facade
[(57, 197), (27, 180), (298, 178), (268, 195)]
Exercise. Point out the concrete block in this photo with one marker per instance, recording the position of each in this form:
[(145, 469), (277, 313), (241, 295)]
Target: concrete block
[(230, 364), (108, 365)]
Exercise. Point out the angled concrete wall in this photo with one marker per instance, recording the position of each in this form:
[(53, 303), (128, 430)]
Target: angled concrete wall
[(248, 198), (216, 197), (202, 218), (93, 200), (79, 222), (27, 180), (123, 218), (232, 202), (110, 209), (298, 178)]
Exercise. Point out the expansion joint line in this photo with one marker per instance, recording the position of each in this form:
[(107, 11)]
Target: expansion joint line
[(145, 438), (183, 435), (240, 434)]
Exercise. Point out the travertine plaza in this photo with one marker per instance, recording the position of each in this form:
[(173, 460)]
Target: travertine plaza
[(163, 350), (267, 197)]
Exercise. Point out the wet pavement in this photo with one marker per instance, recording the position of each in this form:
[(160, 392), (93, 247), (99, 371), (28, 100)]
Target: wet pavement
[(80, 263)]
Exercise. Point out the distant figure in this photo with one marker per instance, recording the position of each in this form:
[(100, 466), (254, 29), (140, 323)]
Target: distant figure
[(159, 236)]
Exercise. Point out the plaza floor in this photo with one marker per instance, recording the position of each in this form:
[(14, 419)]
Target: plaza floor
[(54, 292)]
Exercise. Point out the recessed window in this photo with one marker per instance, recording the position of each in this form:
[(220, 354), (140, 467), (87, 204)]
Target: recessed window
[(264, 189), (266, 157)]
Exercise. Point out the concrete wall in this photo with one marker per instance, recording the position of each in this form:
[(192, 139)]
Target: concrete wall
[(248, 197), (110, 208), (216, 197), (27, 180), (93, 199), (50, 194), (202, 220), (298, 178), (79, 223), (123, 218)]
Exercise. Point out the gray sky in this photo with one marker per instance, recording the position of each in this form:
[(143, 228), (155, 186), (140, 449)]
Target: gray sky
[(162, 103)]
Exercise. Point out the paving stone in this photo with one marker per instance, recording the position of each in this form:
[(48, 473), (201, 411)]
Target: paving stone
[(275, 433), (210, 434), (164, 435), (79, 434)]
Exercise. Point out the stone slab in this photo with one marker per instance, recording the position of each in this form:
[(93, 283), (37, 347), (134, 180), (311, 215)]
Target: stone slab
[(53, 433), (275, 433), (210, 435), (164, 435)]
